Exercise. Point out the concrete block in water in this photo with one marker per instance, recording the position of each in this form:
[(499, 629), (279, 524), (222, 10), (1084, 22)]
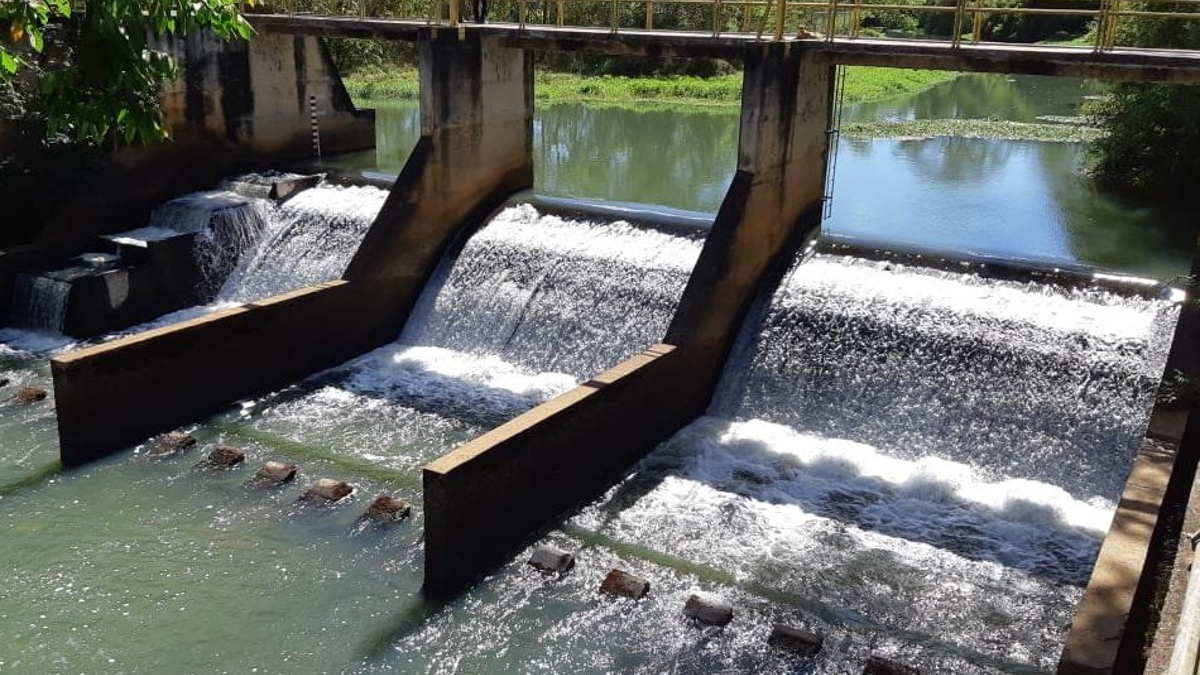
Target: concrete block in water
[(275, 473), (30, 395), (880, 666), (172, 443), (552, 560), (226, 457), (328, 490), (713, 610), (285, 187), (624, 584), (387, 509), (795, 639)]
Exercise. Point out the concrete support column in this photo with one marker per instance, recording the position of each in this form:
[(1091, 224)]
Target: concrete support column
[(774, 202), (485, 499), (476, 150)]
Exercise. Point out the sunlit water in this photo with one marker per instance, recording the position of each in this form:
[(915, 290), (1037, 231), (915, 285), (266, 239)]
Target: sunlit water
[(1019, 199)]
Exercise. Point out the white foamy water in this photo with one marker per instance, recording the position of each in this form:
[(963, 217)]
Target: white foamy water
[(555, 295), (308, 240), (531, 305), (1018, 380), (930, 459)]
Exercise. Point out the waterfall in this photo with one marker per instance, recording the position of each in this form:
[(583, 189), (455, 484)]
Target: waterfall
[(40, 302), (530, 305), (554, 294), (931, 458), (308, 240)]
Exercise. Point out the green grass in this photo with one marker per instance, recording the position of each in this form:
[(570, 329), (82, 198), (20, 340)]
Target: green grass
[(862, 84)]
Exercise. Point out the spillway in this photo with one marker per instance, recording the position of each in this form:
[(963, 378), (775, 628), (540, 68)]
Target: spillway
[(530, 305), (930, 459)]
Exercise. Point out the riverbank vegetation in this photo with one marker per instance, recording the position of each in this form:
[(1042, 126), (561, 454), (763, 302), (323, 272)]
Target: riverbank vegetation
[(1153, 143), (862, 84)]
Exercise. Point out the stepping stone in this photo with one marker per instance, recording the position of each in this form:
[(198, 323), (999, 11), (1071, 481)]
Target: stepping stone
[(275, 473), (30, 395), (623, 584), (328, 491), (796, 640), (387, 509), (551, 560), (880, 666), (708, 608), (172, 443), (226, 457)]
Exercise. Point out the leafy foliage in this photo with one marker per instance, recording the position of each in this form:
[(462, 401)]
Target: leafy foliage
[(109, 85), (1153, 142)]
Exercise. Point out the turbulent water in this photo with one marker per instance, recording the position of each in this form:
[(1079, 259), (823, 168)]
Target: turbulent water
[(924, 462), (40, 302), (308, 240), (531, 305), (913, 463)]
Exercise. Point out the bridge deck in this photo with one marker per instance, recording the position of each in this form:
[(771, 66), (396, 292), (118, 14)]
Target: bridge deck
[(1142, 65)]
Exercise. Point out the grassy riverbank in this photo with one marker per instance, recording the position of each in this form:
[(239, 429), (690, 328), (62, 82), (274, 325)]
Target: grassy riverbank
[(862, 84)]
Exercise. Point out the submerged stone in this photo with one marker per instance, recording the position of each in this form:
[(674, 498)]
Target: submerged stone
[(713, 610), (30, 395), (328, 490), (387, 509), (275, 473), (4, 381), (171, 443), (795, 639), (880, 666), (551, 560), (226, 457), (625, 585)]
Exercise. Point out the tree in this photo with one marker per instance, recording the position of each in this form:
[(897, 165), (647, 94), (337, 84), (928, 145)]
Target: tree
[(105, 81), (1152, 145)]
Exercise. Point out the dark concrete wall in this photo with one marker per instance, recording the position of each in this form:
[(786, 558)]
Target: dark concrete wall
[(463, 167), (486, 499)]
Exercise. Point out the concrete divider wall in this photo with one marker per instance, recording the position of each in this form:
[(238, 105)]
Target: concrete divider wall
[(119, 393), (484, 499)]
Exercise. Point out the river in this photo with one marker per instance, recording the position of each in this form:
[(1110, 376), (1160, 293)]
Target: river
[(1015, 199)]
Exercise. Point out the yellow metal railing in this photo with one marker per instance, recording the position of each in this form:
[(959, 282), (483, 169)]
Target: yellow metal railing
[(962, 20)]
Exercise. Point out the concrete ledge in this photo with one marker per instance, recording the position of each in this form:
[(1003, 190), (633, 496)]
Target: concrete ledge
[(121, 392), (487, 498), (1114, 620)]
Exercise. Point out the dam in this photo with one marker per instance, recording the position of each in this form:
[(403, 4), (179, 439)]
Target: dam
[(922, 460)]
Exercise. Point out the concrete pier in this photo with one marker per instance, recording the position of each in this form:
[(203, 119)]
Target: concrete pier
[(485, 499)]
